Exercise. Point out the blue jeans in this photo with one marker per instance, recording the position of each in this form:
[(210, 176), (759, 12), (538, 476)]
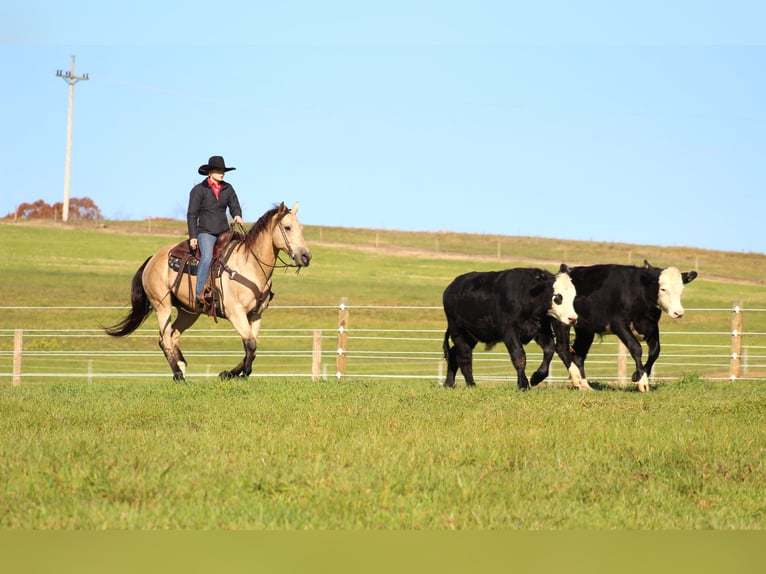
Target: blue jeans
[(205, 244)]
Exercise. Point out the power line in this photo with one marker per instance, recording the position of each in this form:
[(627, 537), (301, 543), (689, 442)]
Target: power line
[(70, 78)]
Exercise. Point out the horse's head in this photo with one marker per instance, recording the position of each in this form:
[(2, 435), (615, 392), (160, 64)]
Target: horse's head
[(287, 235)]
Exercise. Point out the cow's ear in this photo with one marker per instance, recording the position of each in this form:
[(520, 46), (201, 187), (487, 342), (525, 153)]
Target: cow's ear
[(646, 264), (564, 269), (688, 277)]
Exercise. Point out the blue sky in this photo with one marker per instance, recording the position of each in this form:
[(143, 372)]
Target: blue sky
[(638, 122)]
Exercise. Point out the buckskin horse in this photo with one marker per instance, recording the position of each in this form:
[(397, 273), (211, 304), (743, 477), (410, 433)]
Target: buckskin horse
[(243, 280)]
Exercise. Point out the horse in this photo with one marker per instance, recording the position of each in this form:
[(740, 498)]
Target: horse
[(244, 288)]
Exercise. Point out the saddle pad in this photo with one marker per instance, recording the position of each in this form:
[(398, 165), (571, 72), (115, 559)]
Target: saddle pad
[(174, 262)]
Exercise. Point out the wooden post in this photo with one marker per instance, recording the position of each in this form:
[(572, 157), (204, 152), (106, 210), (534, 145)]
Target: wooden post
[(622, 363), (316, 355), (736, 340), (498, 249), (340, 361), (18, 340)]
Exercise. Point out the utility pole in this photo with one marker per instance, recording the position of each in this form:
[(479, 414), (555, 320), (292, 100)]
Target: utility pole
[(71, 79)]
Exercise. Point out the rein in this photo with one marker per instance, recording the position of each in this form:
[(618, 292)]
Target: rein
[(234, 275), (283, 264)]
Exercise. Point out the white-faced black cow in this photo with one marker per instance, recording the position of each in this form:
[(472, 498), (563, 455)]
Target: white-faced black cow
[(626, 301), (513, 306)]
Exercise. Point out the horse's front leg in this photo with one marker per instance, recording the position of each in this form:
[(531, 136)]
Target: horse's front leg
[(248, 330)]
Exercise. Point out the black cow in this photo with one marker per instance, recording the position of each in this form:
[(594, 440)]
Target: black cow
[(626, 301), (513, 306)]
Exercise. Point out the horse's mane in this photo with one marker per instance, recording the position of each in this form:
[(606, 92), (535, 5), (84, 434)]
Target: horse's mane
[(261, 225)]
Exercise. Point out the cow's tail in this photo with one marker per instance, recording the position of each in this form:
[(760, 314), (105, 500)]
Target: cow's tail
[(140, 307), (445, 346)]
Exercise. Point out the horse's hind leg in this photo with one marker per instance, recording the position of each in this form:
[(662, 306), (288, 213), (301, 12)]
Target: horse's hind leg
[(169, 337), (182, 322)]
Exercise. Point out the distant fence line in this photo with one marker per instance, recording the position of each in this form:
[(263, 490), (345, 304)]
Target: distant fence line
[(383, 353)]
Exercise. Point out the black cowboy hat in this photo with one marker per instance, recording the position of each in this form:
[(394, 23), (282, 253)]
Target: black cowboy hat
[(215, 162)]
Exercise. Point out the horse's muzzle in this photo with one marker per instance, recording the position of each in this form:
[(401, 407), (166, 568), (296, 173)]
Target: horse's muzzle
[(302, 258)]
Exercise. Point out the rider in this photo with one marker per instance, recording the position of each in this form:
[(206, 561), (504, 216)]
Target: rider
[(206, 216)]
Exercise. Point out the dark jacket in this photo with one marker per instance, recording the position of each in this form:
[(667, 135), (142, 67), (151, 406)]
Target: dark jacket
[(208, 215)]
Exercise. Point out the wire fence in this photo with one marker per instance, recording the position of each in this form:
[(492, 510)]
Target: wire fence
[(331, 342)]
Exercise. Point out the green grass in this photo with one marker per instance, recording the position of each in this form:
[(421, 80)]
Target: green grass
[(287, 454), (362, 453)]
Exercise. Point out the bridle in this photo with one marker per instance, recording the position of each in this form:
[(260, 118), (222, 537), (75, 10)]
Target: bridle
[(266, 268), (282, 264)]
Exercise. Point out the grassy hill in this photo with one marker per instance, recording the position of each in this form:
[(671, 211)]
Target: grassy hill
[(539, 251)]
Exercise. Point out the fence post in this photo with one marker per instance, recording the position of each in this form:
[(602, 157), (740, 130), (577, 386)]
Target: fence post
[(622, 363), (18, 340), (316, 355), (736, 340), (340, 361)]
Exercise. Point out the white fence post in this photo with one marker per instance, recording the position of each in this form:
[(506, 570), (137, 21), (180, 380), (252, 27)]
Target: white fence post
[(340, 361)]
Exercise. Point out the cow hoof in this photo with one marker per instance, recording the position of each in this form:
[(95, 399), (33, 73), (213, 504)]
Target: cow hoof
[(537, 379)]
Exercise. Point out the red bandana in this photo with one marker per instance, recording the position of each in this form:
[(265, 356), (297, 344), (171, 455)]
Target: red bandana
[(216, 187)]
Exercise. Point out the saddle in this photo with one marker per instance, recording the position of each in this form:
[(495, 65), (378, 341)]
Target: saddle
[(182, 259)]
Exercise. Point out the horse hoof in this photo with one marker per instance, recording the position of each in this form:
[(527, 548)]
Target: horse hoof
[(178, 378), (225, 375)]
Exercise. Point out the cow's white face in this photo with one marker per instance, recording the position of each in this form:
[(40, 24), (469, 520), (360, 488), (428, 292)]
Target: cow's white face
[(562, 303), (669, 296)]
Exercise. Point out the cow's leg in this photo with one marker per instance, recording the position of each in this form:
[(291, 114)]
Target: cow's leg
[(545, 340), (464, 354), (519, 360), (640, 375), (653, 348), (450, 354), (564, 351), (452, 367), (579, 352)]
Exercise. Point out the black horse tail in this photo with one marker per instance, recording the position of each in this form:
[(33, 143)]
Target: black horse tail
[(445, 346), (140, 307)]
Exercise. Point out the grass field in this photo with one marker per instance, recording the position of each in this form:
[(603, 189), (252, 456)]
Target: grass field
[(286, 453)]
